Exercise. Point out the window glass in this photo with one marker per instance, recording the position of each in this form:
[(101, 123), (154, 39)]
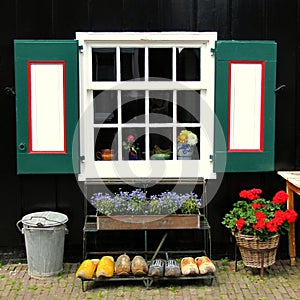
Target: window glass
[(188, 106), (106, 143), (160, 106), (133, 106), (188, 64), (196, 148), (161, 143), (133, 143), (104, 64), (132, 63), (160, 63), (105, 107)]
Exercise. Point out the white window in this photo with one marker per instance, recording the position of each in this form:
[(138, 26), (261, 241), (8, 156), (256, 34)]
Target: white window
[(145, 88)]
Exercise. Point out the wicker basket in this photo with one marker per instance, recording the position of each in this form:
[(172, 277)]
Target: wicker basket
[(255, 253)]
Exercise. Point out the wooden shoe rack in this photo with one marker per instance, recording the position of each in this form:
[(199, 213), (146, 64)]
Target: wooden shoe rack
[(91, 231)]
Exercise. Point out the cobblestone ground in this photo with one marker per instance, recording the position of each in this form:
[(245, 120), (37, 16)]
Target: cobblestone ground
[(281, 281)]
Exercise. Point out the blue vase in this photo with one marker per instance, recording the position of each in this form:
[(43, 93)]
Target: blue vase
[(184, 151)]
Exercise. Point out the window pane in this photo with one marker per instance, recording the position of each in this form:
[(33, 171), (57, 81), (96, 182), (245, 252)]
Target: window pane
[(160, 64), (132, 63), (161, 143), (133, 143), (106, 143), (133, 106), (188, 106), (161, 106), (196, 148), (188, 64), (104, 64), (105, 107)]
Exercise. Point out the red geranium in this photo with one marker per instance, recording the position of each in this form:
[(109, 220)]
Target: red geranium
[(260, 217), (251, 194), (259, 225), (272, 226), (291, 215), (280, 198), (240, 223), (257, 205)]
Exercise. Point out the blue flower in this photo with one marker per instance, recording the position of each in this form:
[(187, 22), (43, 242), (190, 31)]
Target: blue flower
[(136, 202)]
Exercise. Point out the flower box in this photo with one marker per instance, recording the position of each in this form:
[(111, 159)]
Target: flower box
[(143, 222)]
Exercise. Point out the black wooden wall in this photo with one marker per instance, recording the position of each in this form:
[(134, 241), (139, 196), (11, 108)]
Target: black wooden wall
[(59, 19)]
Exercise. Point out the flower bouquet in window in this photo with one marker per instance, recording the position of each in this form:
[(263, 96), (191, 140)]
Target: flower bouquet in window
[(132, 148), (186, 140)]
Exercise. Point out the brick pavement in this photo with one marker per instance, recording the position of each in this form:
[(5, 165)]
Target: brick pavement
[(281, 281)]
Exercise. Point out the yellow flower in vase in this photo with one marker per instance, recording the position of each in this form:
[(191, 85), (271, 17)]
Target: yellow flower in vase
[(186, 140)]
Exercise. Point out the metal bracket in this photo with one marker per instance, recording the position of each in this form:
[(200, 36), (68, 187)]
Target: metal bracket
[(80, 48), (280, 87)]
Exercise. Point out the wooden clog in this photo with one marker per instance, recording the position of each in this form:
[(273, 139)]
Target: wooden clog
[(122, 265), (139, 266), (105, 267), (172, 268), (205, 265), (189, 266), (87, 269), (157, 268)]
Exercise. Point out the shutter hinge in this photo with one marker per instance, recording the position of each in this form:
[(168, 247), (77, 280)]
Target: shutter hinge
[(80, 48), (10, 91), (213, 51), (211, 157), (82, 158)]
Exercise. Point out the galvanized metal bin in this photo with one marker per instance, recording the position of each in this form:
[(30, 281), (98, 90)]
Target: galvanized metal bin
[(44, 234)]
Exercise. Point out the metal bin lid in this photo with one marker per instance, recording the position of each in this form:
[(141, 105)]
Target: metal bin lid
[(44, 219)]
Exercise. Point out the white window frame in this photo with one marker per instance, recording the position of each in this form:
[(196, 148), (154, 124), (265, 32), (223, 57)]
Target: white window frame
[(202, 168)]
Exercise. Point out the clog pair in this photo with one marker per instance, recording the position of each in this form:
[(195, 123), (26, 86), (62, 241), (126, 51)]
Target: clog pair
[(103, 267), (201, 265), (160, 267), (138, 266)]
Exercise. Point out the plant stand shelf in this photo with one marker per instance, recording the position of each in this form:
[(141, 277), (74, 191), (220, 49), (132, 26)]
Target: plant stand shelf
[(92, 227), (147, 280)]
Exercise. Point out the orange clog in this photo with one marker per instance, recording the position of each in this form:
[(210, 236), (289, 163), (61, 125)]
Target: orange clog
[(189, 266), (205, 265)]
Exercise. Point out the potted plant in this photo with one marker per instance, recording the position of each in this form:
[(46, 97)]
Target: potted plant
[(132, 148), (186, 141), (128, 210), (257, 224)]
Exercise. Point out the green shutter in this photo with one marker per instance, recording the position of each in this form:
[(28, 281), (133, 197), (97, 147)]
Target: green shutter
[(244, 160), (62, 54)]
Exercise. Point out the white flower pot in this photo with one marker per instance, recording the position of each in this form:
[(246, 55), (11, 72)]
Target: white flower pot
[(184, 151)]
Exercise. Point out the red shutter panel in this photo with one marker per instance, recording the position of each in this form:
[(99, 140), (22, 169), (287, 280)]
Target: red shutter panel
[(46, 80), (245, 106)]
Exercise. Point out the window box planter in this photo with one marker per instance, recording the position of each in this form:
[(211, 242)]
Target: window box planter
[(143, 222)]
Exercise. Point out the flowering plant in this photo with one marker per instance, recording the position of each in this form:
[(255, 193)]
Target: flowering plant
[(258, 216), (129, 142), (187, 137), (137, 203), (132, 147)]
